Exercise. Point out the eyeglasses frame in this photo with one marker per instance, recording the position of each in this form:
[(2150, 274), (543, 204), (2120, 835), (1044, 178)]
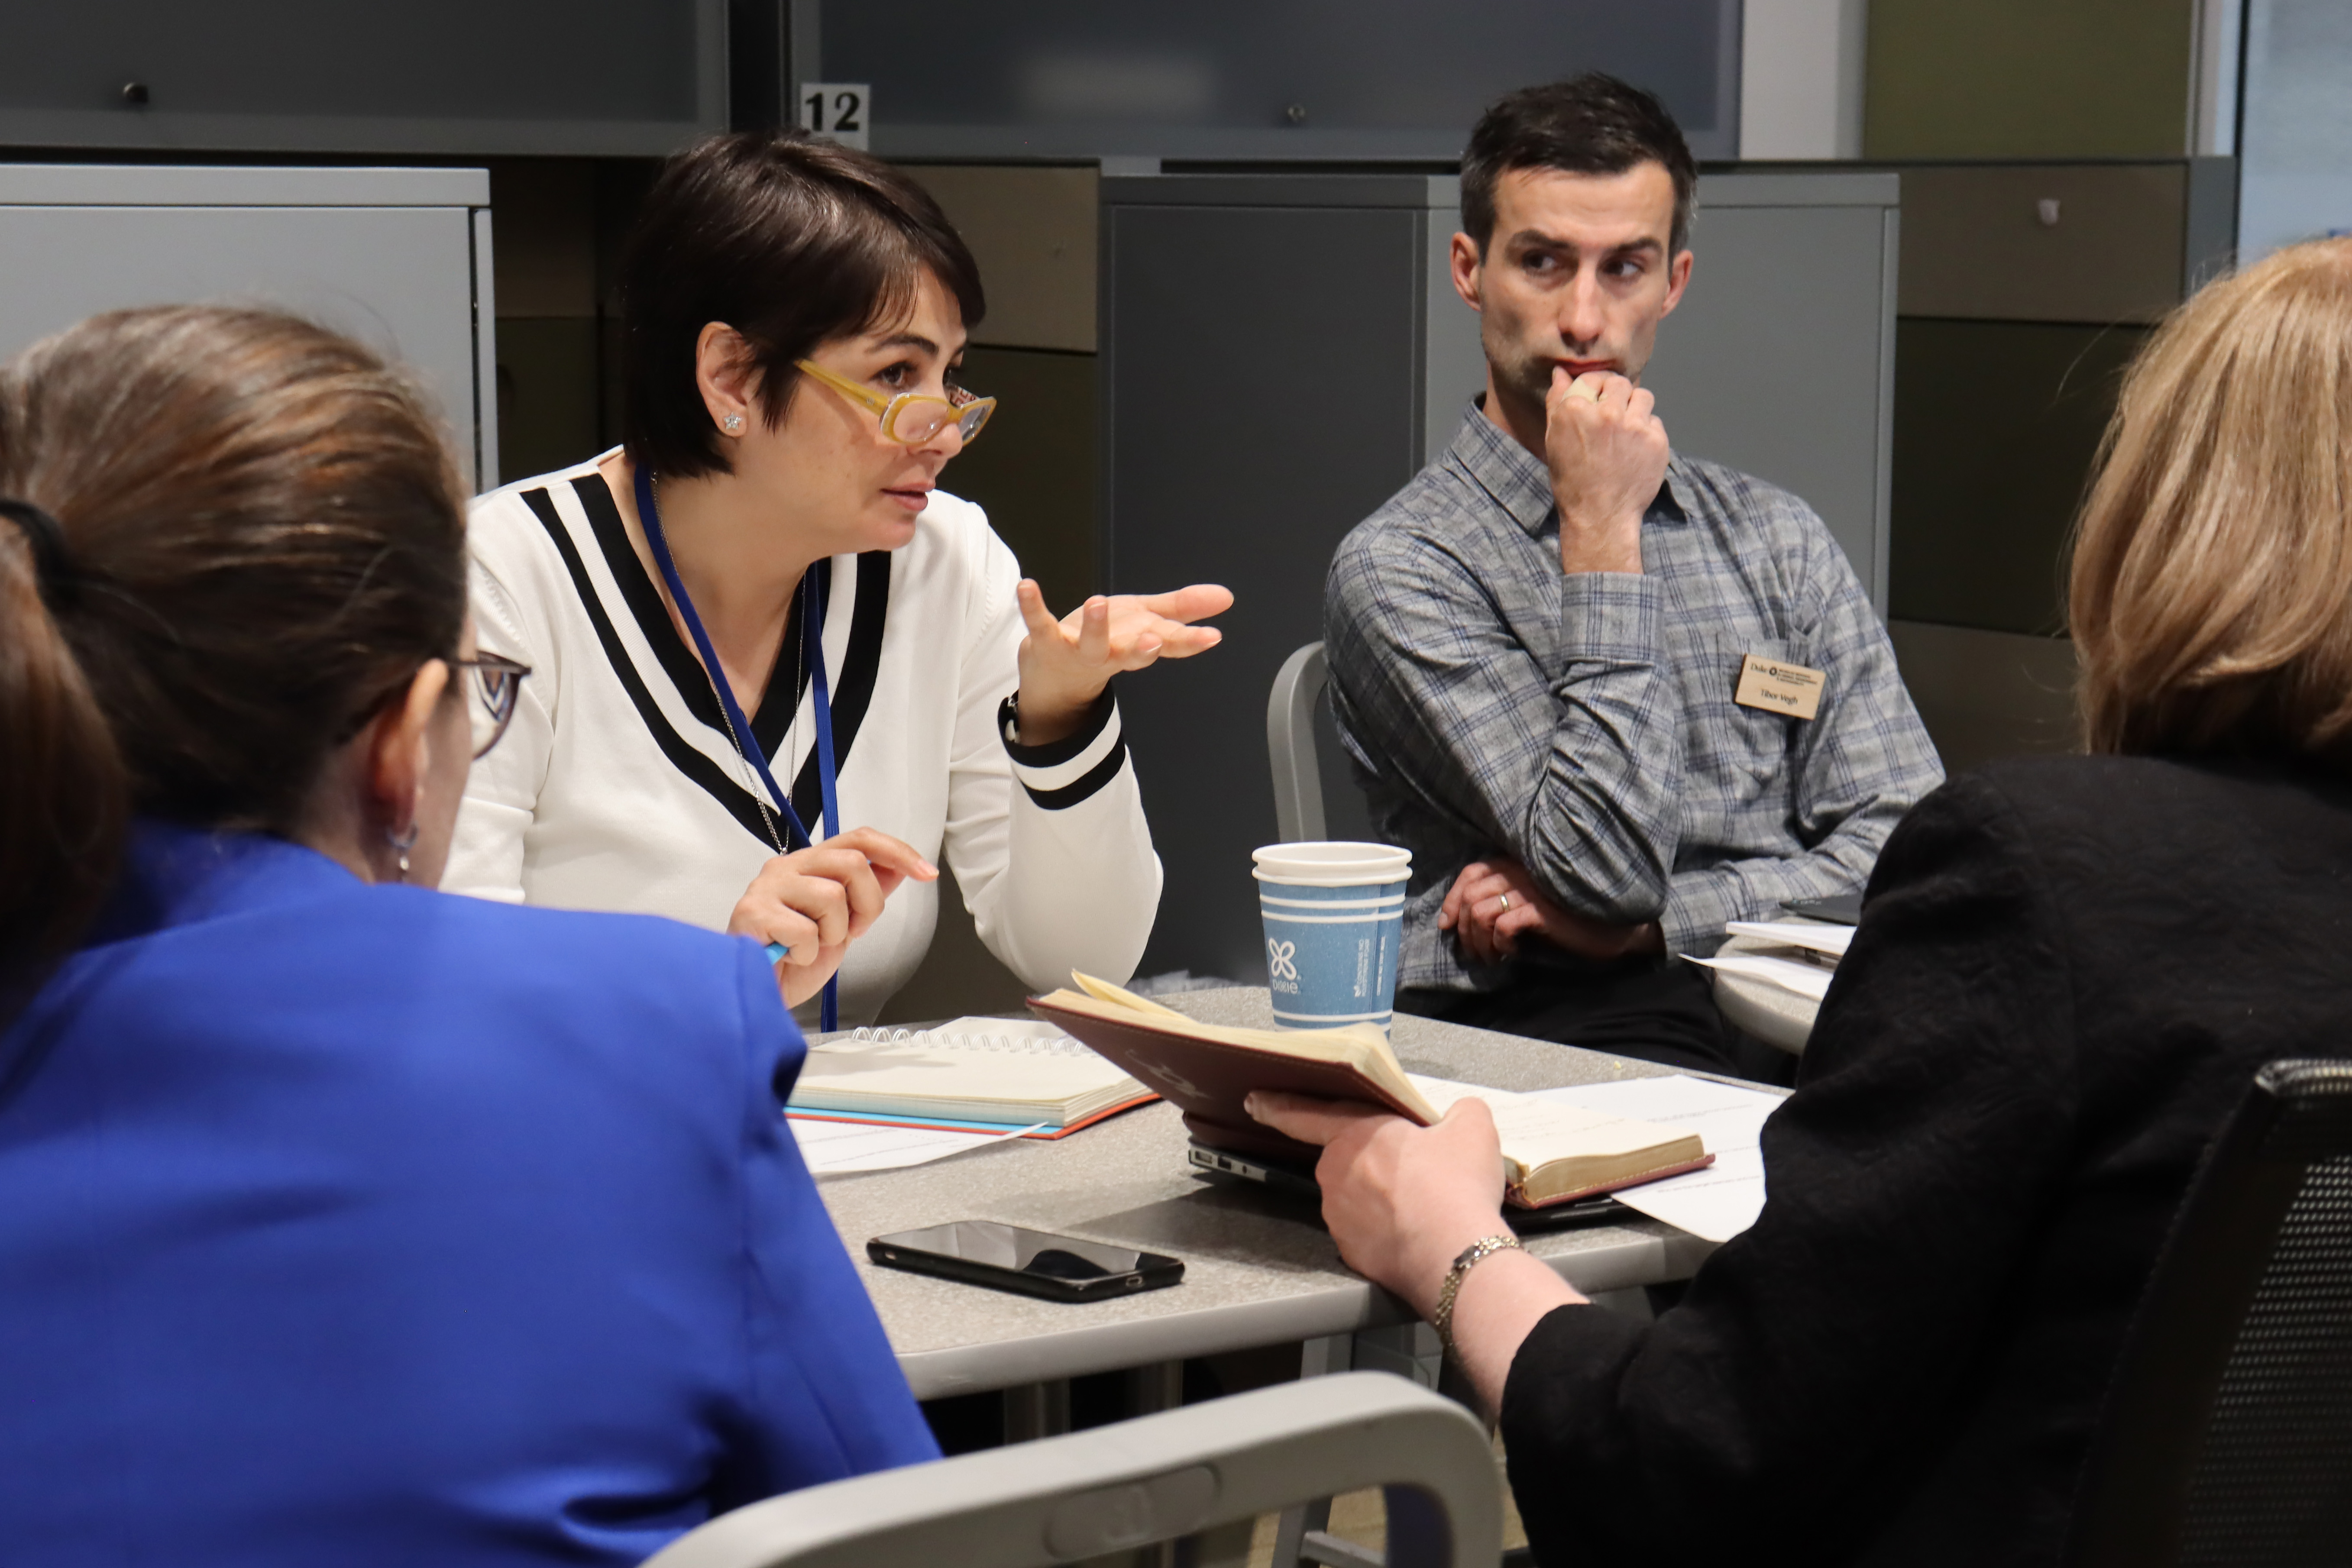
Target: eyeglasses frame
[(500, 665), (890, 408)]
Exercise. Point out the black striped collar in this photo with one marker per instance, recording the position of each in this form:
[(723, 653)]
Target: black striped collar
[(852, 686)]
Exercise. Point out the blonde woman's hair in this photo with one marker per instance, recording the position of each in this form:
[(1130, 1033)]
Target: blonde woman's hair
[(2211, 599)]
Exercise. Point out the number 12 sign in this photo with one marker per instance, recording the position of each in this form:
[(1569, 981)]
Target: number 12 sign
[(836, 111)]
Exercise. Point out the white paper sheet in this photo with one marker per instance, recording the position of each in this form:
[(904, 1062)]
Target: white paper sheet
[(1829, 939), (1719, 1201), (833, 1148), (1806, 979)]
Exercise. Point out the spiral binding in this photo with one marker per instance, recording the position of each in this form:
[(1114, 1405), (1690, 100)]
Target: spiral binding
[(1026, 1045)]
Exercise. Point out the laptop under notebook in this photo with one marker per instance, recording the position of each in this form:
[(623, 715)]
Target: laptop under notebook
[(1295, 1182)]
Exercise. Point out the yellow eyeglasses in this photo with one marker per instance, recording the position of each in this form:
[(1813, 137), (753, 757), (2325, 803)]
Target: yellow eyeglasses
[(912, 418)]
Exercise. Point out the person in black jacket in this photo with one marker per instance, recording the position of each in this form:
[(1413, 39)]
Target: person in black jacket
[(2067, 973)]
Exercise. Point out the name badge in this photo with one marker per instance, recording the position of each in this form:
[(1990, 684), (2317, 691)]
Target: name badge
[(1780, 688)]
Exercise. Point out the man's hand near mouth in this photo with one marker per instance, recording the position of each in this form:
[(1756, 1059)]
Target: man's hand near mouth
[(1606, 452)]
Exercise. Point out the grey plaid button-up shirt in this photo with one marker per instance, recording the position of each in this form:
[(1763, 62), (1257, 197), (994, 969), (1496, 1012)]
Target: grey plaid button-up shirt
[(1584, 725)]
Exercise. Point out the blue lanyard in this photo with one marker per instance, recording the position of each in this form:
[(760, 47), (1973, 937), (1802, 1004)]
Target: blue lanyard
[(812, 608)]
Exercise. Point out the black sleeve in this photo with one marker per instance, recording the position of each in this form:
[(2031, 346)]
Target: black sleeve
[(1818, 1353)]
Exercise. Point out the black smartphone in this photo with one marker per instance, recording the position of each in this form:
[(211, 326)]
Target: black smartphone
[(1031, 1262)]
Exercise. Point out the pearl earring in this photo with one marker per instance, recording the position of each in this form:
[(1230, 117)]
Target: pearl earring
[(403, 842), (733, 421)]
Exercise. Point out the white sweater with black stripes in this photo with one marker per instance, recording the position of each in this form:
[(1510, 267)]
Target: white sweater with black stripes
[(617, 787)]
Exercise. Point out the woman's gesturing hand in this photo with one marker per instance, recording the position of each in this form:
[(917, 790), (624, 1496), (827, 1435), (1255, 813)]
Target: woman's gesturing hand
[(818, 900), (1066, 664)]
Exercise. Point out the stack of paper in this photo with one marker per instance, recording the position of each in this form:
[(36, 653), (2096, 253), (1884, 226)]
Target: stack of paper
[(837, 1148), (1807, 934), (1719, 1201), (1809, 955)]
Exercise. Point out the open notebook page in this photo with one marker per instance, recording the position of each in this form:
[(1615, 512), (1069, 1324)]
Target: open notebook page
[(1536, 1130)]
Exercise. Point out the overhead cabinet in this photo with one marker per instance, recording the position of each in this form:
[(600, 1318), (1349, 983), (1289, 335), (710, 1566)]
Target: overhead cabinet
[(588, 78), (1305, 80)]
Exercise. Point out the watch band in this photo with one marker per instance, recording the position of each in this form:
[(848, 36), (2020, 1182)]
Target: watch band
[(1477, 1252)]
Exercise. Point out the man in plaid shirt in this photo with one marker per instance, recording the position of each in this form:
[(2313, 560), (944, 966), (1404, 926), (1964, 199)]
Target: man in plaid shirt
[(1537, 647)]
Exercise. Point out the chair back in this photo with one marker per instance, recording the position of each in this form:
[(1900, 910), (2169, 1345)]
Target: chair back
[(2227, 1435), (1154, 1479), (1290, 742)]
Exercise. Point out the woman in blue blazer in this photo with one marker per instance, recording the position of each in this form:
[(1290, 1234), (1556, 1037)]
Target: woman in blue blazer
[(347, 1222)]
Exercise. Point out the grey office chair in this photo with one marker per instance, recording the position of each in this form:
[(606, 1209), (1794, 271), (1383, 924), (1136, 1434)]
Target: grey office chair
[(1290, 741), (1150, 1479), (1782, 1021), (2227, 1435)]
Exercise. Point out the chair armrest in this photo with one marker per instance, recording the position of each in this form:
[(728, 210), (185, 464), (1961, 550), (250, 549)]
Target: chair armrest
[(1298, 813), (1154, 1479)]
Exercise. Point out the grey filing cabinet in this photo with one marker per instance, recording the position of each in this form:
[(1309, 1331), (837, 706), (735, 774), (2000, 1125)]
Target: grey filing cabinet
[(397, 257), (1281, 353)]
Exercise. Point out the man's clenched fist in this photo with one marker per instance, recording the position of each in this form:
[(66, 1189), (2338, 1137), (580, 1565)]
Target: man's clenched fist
[(1607, 449)]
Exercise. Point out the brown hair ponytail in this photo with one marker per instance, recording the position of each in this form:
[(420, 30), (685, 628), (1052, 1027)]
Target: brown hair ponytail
[(63, 791), (260, 537)]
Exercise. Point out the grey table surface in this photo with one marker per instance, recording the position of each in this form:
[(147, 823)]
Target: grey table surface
[(1259, 1268)]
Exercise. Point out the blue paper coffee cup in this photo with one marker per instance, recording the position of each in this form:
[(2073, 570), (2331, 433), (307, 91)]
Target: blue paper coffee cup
[(1333, 917)]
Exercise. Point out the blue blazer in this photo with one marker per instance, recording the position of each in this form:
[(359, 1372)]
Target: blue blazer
[(357, 1226)]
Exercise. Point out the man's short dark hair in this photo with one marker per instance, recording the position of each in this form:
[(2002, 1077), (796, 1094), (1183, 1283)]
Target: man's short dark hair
[(790, 241), (1593, 124)]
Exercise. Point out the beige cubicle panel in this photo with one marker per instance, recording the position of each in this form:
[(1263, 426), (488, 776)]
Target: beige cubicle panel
[(1032, 229)]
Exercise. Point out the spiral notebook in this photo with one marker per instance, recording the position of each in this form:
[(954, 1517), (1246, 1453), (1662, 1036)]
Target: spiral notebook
[(981, 1074)]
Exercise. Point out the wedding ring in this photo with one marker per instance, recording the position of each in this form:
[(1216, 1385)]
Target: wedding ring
[(1504, 903)]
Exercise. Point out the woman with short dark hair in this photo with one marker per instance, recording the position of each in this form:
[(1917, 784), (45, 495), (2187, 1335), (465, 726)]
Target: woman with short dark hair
[(345, 1222), (759, 619), (2068, 971)]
